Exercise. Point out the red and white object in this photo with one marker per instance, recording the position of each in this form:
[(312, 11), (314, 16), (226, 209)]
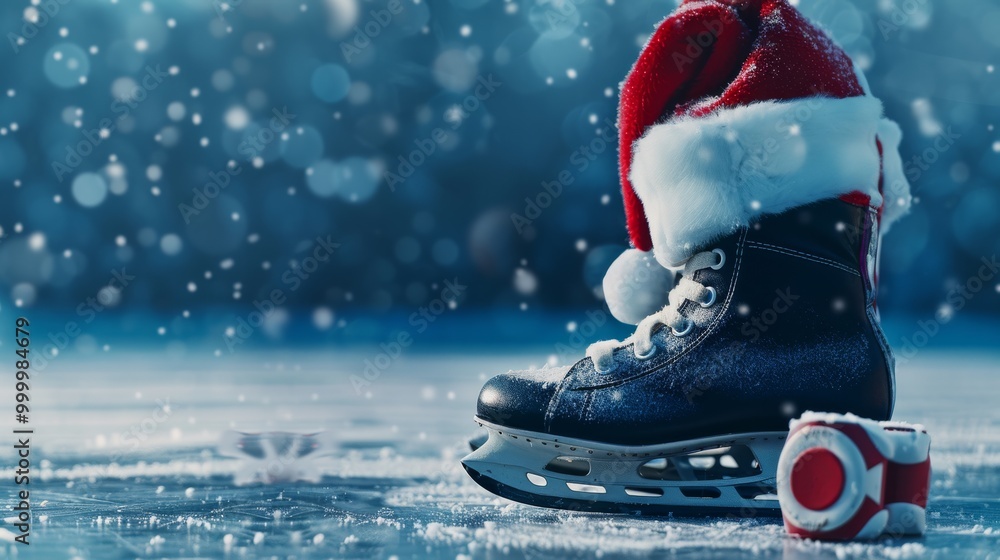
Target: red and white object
[(736, 109), (841, 477)]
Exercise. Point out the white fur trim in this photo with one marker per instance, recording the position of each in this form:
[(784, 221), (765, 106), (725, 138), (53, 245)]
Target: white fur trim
[(862, 79), (700, 179), (636, 286), (895, 186)]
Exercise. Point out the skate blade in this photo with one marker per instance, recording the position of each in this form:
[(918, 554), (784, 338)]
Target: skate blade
[(723, 475), (478, 441)]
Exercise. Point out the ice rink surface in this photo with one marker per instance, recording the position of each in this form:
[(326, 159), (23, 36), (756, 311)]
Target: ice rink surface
[(125, 464)]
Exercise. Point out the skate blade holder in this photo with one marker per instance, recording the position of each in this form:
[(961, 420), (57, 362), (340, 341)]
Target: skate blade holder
[(841, 477)]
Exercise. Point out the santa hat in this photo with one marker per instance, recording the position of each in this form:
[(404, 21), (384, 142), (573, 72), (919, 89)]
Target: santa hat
[(737, 108)]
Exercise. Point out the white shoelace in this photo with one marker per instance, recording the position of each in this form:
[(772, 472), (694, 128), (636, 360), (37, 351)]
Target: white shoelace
[(602, 352)]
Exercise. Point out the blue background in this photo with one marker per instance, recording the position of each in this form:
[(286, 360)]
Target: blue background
[(189, 85)]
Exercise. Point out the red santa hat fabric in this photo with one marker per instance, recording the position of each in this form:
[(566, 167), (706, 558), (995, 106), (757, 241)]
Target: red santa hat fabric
[(737, 108)]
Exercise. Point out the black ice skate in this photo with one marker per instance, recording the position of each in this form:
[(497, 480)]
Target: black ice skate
[(762, 163), (690, 413)]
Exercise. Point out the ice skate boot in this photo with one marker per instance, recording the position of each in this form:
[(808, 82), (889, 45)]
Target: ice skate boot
[(690, 414), (753, 154)]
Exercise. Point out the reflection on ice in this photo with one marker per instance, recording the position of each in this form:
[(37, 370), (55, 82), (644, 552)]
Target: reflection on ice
[(275, 457)]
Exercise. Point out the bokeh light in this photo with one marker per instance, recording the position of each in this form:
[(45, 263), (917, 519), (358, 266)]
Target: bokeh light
[(241, 139), (67, 65), (330, 82), (89, 189)]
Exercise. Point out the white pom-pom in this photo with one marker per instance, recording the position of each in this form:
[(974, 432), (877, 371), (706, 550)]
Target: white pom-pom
[(636, 286)]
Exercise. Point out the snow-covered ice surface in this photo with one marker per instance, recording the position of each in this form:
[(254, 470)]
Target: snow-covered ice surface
[(125, 465)]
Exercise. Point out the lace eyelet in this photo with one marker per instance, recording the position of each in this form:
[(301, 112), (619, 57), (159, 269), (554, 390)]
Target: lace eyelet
[(647, 355), (711, 299), (687, 329), (722, 259)]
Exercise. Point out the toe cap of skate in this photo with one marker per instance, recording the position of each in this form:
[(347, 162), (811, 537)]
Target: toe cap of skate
[(515, 401)]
